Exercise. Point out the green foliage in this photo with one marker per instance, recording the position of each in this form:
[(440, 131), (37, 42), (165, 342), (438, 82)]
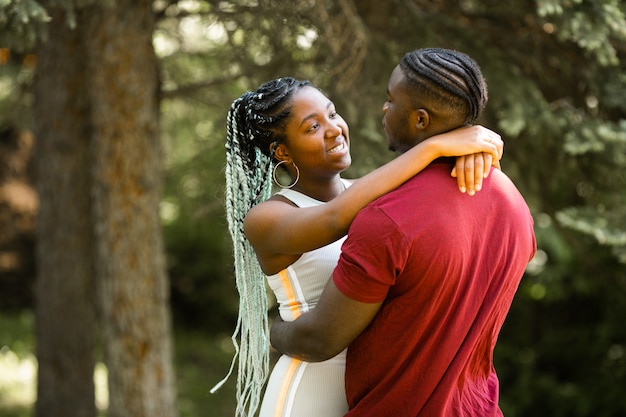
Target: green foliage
[(16, 333), (199, 264), (201, 361), (607, 227), (591, 24), (16, 76), (21, 22), (564, 356)]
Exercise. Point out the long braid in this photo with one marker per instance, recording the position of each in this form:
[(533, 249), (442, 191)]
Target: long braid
[(254, 122), (450, 79)]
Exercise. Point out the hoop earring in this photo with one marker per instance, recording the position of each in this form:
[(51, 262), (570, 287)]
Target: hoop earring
[(285, 187)]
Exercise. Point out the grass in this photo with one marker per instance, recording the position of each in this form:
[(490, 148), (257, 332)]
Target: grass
[(201, 361), (17, 365)]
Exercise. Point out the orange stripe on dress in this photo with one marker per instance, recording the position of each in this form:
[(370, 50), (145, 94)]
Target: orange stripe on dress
[(284, 387), (293, 366), (293, 304)]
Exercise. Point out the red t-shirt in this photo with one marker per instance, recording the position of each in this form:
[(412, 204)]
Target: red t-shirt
[(447, 266)]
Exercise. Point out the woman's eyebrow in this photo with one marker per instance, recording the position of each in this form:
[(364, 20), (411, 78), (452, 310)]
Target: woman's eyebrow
[(313, 115)]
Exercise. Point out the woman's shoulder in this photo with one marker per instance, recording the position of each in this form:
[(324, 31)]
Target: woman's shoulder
[(273, 204)]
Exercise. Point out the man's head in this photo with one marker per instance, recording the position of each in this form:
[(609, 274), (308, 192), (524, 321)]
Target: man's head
[(432, 91)]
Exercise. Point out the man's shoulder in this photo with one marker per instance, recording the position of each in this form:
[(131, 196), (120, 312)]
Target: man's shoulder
[(433, 177)]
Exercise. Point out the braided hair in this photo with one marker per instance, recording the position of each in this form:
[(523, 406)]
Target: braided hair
[(448, 79), (256, 122)]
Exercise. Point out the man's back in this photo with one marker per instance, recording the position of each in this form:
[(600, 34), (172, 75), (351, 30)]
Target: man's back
[(447, 266)]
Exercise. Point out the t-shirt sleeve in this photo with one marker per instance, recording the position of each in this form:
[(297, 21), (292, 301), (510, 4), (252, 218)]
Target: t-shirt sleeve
[(372, 256)]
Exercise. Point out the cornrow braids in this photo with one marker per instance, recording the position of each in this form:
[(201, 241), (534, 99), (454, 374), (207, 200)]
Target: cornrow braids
[(255, 121), (448, 79)]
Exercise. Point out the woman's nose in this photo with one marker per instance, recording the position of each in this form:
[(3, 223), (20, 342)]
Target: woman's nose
[(385, 104), (333, 130)]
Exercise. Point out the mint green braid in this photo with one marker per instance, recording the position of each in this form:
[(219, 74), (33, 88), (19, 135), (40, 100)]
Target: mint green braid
[(254, 122)]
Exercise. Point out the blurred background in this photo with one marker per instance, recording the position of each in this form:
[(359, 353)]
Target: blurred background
[(115, 259)]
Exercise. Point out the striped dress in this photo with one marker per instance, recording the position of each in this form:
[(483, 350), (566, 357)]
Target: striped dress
[(296, 388)]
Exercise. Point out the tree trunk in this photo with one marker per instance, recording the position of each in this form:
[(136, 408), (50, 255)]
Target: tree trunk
[(100, 242), (65, 308), (130, 264)]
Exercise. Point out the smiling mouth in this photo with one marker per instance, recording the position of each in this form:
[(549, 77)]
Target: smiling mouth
[(338, 148)]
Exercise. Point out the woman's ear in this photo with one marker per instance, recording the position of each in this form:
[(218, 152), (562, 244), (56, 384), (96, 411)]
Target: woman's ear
[(279, 151)]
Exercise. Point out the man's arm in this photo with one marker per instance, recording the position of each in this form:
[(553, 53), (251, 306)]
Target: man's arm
[(326, 330)]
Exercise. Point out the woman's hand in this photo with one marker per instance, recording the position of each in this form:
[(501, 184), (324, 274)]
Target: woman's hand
[(470, 170), (476, 148)]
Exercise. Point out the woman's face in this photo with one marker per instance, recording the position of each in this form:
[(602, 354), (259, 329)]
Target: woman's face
[(317, 136)]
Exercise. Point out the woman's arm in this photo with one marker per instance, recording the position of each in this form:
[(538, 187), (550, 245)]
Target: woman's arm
[(279, 231)]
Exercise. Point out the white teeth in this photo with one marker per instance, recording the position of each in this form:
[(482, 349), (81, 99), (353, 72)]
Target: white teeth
[(337, 148)]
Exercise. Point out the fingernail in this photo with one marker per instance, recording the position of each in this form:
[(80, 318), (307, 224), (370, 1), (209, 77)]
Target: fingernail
[(462, 189), (478, 187), (470, 191)]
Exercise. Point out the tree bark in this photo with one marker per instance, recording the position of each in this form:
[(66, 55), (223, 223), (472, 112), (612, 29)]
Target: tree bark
[(65, 308), (126, 168)]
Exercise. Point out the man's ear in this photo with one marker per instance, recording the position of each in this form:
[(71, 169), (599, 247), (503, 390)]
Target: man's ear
[(420, 119)]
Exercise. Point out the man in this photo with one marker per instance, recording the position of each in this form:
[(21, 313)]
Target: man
[(427, 274)]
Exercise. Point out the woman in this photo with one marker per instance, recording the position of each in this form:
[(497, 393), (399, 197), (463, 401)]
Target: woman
[(296, 234)]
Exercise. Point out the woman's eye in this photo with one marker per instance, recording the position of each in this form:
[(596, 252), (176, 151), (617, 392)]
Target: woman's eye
[(312, 127), (333, 114)]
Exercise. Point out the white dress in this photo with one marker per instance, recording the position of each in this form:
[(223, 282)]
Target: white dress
[(297, 388)]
